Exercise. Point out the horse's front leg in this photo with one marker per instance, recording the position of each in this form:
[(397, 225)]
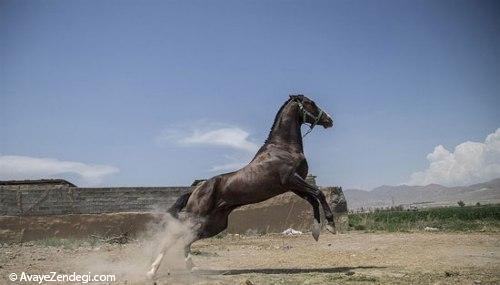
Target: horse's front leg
[(298, 184), (315, 205)]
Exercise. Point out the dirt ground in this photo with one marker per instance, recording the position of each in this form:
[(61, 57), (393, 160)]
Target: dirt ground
[(353, 258)]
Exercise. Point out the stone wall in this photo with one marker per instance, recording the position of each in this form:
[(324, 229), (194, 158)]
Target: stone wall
[(41, 200)]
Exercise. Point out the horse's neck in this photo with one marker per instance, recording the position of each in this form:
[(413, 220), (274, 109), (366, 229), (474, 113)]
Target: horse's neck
[(286, 130)]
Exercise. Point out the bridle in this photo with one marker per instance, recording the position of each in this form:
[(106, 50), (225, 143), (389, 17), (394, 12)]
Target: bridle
[(305, 114)]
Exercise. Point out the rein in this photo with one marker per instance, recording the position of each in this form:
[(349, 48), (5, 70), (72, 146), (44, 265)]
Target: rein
[(306, 113)]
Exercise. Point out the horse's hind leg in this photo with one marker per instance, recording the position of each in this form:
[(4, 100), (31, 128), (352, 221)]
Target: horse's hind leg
[(164, 248), (188, 258), (210, 226), (187, 252)]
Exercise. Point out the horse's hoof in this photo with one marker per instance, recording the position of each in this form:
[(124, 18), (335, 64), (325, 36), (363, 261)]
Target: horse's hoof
[(150, 275), (316, 230), (189, 263), (331, 229)]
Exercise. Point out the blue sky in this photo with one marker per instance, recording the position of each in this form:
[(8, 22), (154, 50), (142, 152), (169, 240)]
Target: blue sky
[(165, 92)]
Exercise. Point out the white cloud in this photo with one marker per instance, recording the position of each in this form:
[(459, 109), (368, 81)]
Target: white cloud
[(203, 133), (231, 137), (211, 134), (469, 163), (25, 167)]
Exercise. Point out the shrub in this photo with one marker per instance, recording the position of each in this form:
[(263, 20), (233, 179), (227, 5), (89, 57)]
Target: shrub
[(466, 218)]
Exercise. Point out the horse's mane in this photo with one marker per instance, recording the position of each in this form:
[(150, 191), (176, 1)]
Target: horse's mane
[(263, 147), (276, 119)]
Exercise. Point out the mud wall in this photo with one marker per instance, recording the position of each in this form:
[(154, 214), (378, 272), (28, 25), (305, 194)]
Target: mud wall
[(28, 228), (33, 212), (50, 200), (286, 211)]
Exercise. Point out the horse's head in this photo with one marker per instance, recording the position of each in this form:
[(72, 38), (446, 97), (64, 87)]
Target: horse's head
[(310, 113)]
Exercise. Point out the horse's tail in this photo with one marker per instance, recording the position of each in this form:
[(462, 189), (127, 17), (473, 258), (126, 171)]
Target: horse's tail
[(179, 205)]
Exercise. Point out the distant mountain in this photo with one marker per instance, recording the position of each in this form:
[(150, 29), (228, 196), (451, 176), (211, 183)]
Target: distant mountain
[(432, 194)]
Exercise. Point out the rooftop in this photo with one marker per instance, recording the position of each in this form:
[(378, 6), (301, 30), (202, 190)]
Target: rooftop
[(38, 182)]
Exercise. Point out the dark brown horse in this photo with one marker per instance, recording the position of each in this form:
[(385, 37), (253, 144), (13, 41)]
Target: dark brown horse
[(279, 166)]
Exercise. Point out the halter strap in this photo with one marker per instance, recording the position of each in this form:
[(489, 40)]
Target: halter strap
[(306, 113)]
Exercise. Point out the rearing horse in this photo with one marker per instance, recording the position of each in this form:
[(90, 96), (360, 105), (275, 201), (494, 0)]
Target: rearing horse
[(278, 167)]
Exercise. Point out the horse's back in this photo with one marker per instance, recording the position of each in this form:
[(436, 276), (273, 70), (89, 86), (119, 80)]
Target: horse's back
[(258, 181)]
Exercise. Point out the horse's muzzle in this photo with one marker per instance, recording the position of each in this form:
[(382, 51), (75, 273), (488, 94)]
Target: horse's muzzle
[(328, 125), (326, 121)]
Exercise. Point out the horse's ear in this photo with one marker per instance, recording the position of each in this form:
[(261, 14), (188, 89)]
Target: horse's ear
[(297, 96)]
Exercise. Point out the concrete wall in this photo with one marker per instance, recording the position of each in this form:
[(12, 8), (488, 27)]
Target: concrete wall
[(39, 200)]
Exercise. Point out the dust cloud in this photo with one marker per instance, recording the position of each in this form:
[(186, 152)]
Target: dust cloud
[(133, 260)]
